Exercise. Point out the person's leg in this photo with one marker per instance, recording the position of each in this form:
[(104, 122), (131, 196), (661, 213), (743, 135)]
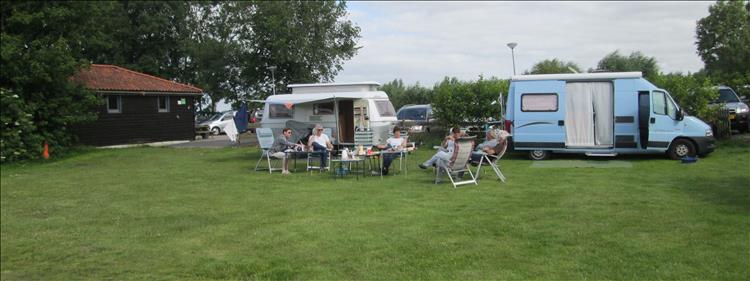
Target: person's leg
[(387, 160), (323, 153), (440, 155)]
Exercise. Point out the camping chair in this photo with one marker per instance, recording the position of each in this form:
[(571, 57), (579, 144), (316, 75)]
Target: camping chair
[(457, 163), (265, 140), (402, 157), (491, 159), (313, 157)]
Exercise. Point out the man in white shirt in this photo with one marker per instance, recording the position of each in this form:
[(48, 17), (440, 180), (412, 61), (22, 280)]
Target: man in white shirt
[(320, 142), (446, 150)]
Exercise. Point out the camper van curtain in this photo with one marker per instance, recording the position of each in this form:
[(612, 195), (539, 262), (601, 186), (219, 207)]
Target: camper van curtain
[(579, 116), (603, 98), (589, 114)]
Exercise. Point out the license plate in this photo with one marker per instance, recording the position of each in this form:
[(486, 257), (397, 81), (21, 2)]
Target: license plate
[(732, 116)]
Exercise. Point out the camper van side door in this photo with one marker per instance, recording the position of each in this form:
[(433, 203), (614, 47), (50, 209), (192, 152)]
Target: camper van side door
[(663, 122)]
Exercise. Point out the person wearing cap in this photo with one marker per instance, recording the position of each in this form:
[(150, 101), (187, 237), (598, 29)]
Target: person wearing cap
[(320, 142)]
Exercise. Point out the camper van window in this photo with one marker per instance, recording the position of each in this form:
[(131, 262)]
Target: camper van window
[(279, 111), (385, 108), (539, 102), (660, 103), (671, 108), (323, 108)]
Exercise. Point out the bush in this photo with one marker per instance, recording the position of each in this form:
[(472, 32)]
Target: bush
[(18, 140), (458, 103)]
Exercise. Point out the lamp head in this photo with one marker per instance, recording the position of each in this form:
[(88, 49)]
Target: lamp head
[(512, 45)]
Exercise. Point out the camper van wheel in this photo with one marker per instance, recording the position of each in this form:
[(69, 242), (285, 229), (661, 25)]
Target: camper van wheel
[(215, 131), (681, 148), (538, 154)]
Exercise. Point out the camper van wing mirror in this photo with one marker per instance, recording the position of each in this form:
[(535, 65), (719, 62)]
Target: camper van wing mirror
[(680, 115)]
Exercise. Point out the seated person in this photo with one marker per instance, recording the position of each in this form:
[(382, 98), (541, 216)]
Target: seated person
[(394, 143), (280, 145), (320, 142), (494, 145), (446, 149)]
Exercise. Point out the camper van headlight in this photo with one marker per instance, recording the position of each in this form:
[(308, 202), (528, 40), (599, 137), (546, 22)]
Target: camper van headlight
[(709, 133)]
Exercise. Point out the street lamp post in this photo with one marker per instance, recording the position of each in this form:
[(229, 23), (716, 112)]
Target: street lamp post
[(273, 79), (512, 45)]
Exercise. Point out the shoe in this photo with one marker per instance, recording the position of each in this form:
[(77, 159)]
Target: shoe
[(285, 172), (385, 171), (422, 166)]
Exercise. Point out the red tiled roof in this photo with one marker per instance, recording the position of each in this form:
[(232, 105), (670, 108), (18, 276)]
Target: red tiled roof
[(114, 78)]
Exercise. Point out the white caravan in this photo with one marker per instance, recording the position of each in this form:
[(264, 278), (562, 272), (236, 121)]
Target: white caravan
[(345, 108)]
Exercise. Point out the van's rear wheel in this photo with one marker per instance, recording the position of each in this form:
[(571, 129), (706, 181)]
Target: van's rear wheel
[(681, 148), (538, 154)]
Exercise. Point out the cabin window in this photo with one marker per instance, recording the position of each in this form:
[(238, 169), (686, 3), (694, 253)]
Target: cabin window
[(114, 104), (163, 103), (539, 102), (279, 111), (660, 103), (325, 108), (385, 108)]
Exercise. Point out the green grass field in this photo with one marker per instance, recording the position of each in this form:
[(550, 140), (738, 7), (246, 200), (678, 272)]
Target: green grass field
[(202, 214)]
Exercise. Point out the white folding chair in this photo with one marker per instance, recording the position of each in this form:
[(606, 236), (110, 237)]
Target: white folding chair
[(265, 140), (491, 160), (457, 163)]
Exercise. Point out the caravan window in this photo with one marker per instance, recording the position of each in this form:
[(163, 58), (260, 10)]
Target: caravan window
[(385, 108), (539, 102), (280, 111), (323, 108)]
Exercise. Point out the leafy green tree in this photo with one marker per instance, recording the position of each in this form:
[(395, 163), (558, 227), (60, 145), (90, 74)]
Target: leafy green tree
[(307, 42), (723, 42), (554, 66), (401, 95), (43, 45), (636, 61)]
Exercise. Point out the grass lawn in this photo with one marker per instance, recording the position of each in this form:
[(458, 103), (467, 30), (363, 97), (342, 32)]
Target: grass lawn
[(177, 214)]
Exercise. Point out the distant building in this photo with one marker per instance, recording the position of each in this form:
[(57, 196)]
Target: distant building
[(137, 107)]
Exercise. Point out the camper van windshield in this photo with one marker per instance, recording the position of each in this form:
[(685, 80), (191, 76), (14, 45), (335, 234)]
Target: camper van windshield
[(385, 108)]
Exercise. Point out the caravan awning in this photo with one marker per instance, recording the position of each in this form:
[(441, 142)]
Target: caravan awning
[(321, 97)]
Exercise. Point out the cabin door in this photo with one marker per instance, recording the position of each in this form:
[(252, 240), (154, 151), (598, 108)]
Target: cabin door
[(346, 121), (589, 115)]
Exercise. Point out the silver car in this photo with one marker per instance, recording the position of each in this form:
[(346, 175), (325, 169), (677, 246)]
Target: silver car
[(738, 110)]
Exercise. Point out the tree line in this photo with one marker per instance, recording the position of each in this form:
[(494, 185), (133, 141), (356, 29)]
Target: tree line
[(225, 48), (723, 43)]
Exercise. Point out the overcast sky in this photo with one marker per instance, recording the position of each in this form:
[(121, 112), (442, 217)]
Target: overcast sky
[(426, 41)]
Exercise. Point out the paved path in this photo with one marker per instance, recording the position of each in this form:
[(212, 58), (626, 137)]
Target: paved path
[(220, 141)]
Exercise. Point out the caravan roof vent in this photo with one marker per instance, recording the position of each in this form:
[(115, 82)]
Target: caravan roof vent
[(367, 86)]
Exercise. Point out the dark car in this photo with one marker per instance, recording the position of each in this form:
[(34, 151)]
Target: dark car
[(417, 118)]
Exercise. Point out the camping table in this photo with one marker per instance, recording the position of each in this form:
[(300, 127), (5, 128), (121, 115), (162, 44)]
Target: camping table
[(378, 155), (294, 155), (357, 161)]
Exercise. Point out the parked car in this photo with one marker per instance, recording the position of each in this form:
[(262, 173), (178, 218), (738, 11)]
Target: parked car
[(738, 109), (202, 130), (219, 121), (418, 118)]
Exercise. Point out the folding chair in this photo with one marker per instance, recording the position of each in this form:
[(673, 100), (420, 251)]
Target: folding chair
[(265, 140), (313, 157), (491, 160), (457, 163)]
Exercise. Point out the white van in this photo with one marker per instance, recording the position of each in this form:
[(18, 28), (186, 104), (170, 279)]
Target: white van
[(345, 108)]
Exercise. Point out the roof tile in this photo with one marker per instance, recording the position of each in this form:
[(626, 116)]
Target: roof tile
[(114, 78)]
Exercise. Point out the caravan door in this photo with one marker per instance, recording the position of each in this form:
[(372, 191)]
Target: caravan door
[(539, 115)]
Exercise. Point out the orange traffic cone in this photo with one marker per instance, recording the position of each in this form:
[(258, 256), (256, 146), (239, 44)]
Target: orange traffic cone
[(45, 153)]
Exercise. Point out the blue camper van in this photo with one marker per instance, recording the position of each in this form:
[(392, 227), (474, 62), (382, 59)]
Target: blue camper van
[(600, 114)]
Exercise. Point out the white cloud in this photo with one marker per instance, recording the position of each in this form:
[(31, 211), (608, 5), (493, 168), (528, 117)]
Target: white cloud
[(426, 41)]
